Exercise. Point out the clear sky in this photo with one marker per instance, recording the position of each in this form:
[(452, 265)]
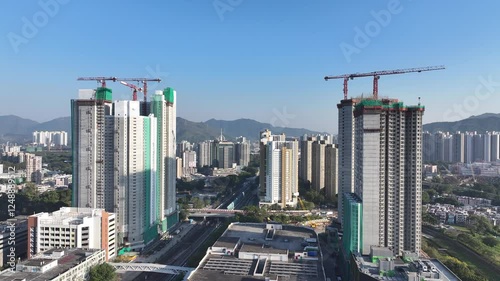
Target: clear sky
[(258, 59)]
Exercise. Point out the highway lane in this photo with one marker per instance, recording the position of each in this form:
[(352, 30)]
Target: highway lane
[(180, 253)]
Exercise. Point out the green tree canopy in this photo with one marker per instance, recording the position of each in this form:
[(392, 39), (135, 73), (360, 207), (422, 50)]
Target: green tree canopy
[(103, 272)]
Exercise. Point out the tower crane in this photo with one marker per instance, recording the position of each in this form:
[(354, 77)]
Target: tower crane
[(101, 80), (134, 88), (376, 75), (144, 82)]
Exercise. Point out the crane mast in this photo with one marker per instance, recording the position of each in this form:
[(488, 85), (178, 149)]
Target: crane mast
[(376, 76)]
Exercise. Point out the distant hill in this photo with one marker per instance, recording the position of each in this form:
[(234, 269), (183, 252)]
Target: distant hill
[(481, 123), (17, 129), (250, 128), (58, 124), (15, 125), (194, 131)]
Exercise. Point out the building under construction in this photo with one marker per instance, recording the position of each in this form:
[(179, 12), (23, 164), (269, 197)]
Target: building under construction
[(124, 161)]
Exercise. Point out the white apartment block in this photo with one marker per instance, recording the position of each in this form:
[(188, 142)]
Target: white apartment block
[(282, 173), (72, 227), (50, 138), (461, 147)]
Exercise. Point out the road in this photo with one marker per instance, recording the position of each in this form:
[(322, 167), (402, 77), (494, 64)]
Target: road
[(190, 243), (329, 260), (181, 251)]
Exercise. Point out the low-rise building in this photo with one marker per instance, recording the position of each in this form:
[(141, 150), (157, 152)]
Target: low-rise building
[(250, 251), (56, 265), (72, 228), (407, 268)]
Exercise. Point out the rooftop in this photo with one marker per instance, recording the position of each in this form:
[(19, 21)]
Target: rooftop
[(399, 273), (254, 254), (226, 242), (385, 103), (71, 258)]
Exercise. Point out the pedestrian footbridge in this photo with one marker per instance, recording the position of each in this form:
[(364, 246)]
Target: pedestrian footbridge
[(153, 267)]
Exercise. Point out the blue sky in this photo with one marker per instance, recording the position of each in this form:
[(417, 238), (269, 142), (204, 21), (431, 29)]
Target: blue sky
[(258, 59)]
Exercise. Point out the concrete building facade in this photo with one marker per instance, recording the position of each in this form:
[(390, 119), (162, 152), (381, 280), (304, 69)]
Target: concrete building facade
[(72, 228), (331, 171), (388, 168), (33, 168), (318, 165), (281, 169), (306, 169), (346, 140), (124, 162), (242, 153)]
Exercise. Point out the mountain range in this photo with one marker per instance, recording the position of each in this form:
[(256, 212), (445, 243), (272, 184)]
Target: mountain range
[(480, 123), (16, 129)]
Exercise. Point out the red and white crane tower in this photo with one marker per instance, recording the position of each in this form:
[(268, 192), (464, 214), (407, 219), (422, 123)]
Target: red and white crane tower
[(134, 88), (144, 82), (376, 75)]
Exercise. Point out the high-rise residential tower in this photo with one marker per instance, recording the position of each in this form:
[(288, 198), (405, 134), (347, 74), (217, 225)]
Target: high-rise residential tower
[(204, 153), (242, 152), (318, 165), (33, 168), (279, 169), (282, 173), (305, 169), (388, 168), (124, 162), (331, 171), (163, 107), (346, 151)]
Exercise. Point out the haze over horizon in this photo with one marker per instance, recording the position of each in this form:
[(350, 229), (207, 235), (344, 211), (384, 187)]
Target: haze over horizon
[(256, 59)]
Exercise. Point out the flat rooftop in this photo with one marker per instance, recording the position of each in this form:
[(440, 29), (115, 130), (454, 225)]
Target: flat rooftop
[(366, 266), (253, 243), (226, 242), (71, 258)]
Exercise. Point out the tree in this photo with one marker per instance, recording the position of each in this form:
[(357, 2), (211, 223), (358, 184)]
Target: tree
[(448, 200), (428, 218), (491, 241), (197, 203), (426, 199), (103, 272), (30, 191), (480, 225)]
